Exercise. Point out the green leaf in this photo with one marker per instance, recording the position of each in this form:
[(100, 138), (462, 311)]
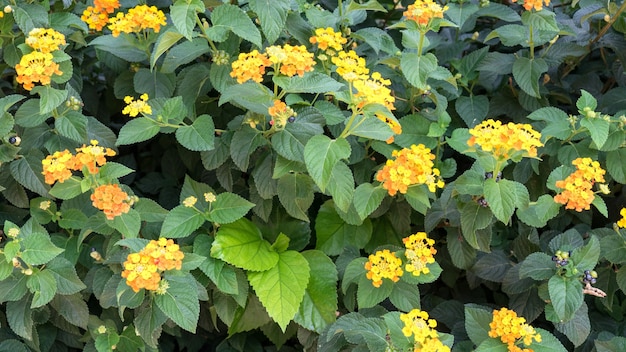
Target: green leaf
[(334, 234), (472, 109), (222, 275), (296, 193), (548, 343), (13, 289), (181, 222), (510, 35), (127, 224), (311, 82), (242, 245), (405, 296), (417, 68), (184, 53), (566, 295), (501, 197), (281, 288), (67, 189), (72, 308), (540, 20), (586, 100), (615, 165), (614, 248), (557, 122), (418, 197), (244, 143), (367, 295), (137, 130), (183, 14), (107, 341), (229, 18), (477, 320), (321, 154), (114, 170), (342, 186), (120, 47), (492, 266), (72, 125), (44, 286), (527, 73), (154, 83), (250, 95), (586, 257), (319, 304), (180, 301), (538, 266), (290, 142), (473, 218), (19, 315), (370, 333), (148, 321), (165, 41), (462, 253), (371, 127), (538, 213), (50, 98), (367, 199), (577, 330), (39, 249), (199, 136), (492, 345), (598, 128), (332, 114), (28, 172), (272, 15), (228, 207), (65, 275)]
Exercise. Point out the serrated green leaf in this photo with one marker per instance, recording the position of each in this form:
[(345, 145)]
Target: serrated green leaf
[(281, 288), (472, 109), (501, 197), (598, 128), (72, 308), (241, 244), (73, 219), (342, 186), (296, 193), (148, 321), (228, 207), (371, 127), (614, 248), (65, 275), (199, 136), (229, 18), (566, 295), (72, 125), (586, 257), (67, 189), (38, 249), (527, 73), (272, 15), (244, 143), (367, 199), (405, 296), (538, 266), (578, 328), (43, 286), (128, 224), (222, 275), (184, 53), (180, 301), (311, 82), (377, 38), (548, 343), (473, 218), (334, 234), (492, 266), (119, 47), (137, 130), (19, 315), (114, 170), (165, 41), (615, 164), (156, 84), (586, 100), (538, 213), (50, 98), (181, 222), (477, 321), (28, 172), (418, 68), (289, 143), (13, 288), (557, 122), (183, 14), (250, 95), (321, 154)]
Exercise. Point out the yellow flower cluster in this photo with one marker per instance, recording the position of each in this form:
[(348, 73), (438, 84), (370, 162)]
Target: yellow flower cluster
[(143, 269), (417, 323), (39, 65), (97, 16), (59, 165), (290, 60), (534, 4), (111, 200), (327, 38), (137, 19), (419, 253), (280, 113), (190, 201), (577, 191), (135, 107), (45, 40), (505, 140), (383, 265), (350, 66), (512, 330), (250, 66), (374, 90), (412, 166), (423, 11), (396, 128), (622, 222)]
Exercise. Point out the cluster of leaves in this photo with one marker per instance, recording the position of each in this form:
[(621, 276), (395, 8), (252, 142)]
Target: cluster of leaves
[(276, 222)]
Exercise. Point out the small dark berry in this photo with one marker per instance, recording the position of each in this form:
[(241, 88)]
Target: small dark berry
[(555, 258), (488, 175), (15, 140), (593, 281), (587, 272), (291, 119)]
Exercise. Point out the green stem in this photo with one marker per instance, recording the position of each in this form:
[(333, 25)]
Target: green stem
[(531, 41), (204, 33), (420, 45)]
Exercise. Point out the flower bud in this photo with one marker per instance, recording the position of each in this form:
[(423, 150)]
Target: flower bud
[(8, 9)]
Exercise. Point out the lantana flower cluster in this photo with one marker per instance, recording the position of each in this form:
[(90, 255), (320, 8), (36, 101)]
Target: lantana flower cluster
[(39, 65), (622, 222), (419, 253), (426, 338), (383, 265), (287, 60), (97, 16), (327, 38), (281, 114), (534, 4), (135, 107), (506, 141), (577, 188), (423, 11), (112, 200), (136, 20), (350, 66), (412, 166), (512, 330), (144, 268)]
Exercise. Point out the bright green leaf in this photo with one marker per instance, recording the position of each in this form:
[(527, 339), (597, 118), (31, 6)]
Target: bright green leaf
[(241, 244)]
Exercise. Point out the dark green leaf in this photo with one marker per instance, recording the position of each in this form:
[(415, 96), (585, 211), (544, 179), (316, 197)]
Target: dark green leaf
[(566, 295), (272, 15), (334, 234), (39, 249), (321, 154), (180, 301), (199, 136), (72, 308), (181, 222), (295, 192)]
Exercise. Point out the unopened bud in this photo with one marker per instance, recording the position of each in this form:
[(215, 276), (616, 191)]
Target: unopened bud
[(102, 329), (16, 262), (554, 39), (8, 9), (475, 35), (13, 232), (95, 255), (27, 272), (607, 18)]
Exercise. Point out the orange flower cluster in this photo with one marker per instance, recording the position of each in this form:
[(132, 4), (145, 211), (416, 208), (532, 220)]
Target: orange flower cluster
[(39, 65), (45, 40), (622, 222), (92, 156), (534, 4), (512, 330), (58, 167), (426, 338), (280, 113), (423, 11), (137, 19), (506, 141), (412, 166), (327, 38), (143, 269), (577, 187), (290, 60), (383, 265), (111, 200), (419, 253), (250, 66), (97, 16), (350, 66)]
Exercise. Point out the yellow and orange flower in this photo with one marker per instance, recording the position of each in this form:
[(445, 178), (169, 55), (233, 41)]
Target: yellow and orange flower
[(109, 6), (96, 18), (534, 4), (425, 337), (622, 222), (419, 253), (290, 60), (383, 265), (505, 140), (350, 66), (250, 66), (45, 40), (36, 67), (137, 19), (92, 156), (111, 200), (577, 188), (374, 90), (143, 269), (423, 11), (327, 38), (136, 107), (512, 330), (58, 166), (412, 166)]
